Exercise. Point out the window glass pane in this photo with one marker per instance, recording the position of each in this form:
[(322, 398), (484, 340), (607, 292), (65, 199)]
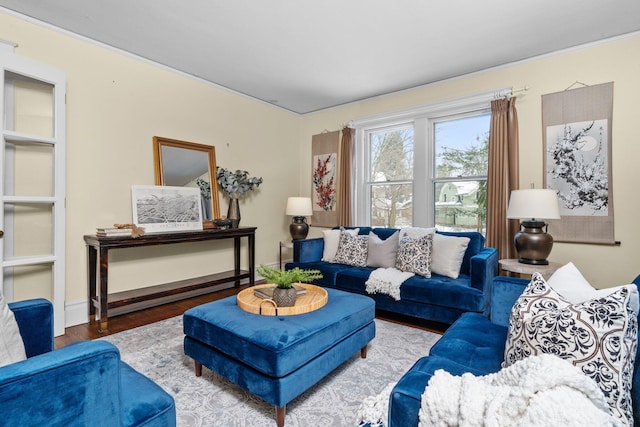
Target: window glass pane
[(391, 155), (461, 205), (26, 162), (31, 226), (33, 106), (462, 146), (391, 205)]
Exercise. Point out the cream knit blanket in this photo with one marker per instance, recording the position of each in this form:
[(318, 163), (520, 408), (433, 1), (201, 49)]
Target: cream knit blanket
[(536, 391), (387, 281)]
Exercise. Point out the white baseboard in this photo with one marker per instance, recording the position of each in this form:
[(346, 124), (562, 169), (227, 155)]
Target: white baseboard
[(76, 313)]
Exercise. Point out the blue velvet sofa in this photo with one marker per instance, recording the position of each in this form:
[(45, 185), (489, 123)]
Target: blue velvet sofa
[(438, 298), (474, 343), (82, 384)]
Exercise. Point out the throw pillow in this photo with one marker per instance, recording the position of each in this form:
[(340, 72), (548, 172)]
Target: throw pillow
[(414, 255), (331, 240), (11, 344), (571, 284), (416, 232), (448, 253), (352, 250), (382, 253), (599, 336)]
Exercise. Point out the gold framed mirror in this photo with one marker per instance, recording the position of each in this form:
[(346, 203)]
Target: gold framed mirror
[(187, 164)]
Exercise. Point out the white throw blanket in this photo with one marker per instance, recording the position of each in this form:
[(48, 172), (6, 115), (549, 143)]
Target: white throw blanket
[(536, 391), (387, 281)]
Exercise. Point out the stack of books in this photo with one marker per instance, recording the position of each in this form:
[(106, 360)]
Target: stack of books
[(113, 232), (267, 292)]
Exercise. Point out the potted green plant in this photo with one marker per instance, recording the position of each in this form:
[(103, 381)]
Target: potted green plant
[(284, 295)]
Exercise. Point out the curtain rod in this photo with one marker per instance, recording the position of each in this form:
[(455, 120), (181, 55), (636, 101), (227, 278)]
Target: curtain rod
[(508, 93)]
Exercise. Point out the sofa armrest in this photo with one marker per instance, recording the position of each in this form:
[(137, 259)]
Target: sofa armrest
[(76, 385), (504, 293), (35, 321), (484, 267), (308, 250)]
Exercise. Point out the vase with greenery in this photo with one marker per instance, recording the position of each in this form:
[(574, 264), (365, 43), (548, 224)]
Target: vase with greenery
[(235, 184), (284, 295)]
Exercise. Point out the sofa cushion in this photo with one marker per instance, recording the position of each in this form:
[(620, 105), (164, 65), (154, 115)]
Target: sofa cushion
[(331, 241), (572, 285), (473, 341), (436, 290), (476, 244), (382, 253), (447, 255), (143, 401), (599, 336), (352, 250), (414, 254), (11, 344)]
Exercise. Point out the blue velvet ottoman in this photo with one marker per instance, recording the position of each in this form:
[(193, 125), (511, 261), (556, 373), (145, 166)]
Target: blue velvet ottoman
[(278, 357)]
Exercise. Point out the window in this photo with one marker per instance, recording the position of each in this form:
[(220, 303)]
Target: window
[(460, 180), (389, 184), (424, 167)]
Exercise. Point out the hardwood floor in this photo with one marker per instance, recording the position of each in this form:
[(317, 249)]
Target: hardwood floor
[(132, 320)]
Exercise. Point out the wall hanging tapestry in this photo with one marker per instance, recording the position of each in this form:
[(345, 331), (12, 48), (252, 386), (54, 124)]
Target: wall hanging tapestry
[(324, 176), (576, 127)]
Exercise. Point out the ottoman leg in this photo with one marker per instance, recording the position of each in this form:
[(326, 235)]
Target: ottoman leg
[(363, 352), (280, 411), (198, 368)]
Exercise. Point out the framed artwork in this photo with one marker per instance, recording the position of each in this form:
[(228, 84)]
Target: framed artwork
[(324, 175), (165, 209), (577, 156)]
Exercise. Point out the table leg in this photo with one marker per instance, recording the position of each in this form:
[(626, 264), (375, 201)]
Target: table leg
[(236, 258), (280, 412), (92, 256), (251, 238), (102, 314)]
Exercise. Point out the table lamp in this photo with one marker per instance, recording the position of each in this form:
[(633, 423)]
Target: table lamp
[(299, 207), (533, 206)]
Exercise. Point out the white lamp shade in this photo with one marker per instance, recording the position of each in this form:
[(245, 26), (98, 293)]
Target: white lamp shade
[(533, 204), (299, 206)]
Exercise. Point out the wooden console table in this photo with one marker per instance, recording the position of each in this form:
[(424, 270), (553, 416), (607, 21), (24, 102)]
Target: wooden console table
[(100, 301)]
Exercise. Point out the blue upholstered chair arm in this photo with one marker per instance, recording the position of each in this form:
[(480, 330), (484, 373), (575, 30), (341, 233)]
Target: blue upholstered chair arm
[(504, 293), (308, 250), (484, 267), (35, 321), (76, 385)]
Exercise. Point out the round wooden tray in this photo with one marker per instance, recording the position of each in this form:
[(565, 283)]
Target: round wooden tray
[(315, 298)]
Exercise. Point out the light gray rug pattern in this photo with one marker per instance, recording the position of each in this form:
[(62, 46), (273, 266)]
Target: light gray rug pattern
[(156, 351)]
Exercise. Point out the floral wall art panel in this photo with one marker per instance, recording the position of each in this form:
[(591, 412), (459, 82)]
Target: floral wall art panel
[(324, 178), (576, 127)]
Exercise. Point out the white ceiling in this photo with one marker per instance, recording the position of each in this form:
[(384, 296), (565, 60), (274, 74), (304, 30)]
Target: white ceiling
[(309, 55)]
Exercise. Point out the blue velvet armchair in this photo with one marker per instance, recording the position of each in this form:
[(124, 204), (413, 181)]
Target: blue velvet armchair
[(82, 384)]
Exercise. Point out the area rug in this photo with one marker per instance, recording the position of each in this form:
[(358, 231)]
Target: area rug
[(156, 351)]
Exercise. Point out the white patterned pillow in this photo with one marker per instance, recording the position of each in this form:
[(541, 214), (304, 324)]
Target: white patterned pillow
[(11, 344), (352, 249), (414, 255), (598, 335), (331, 241)]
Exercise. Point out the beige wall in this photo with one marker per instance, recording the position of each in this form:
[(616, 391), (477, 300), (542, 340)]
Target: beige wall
[(617, 61), (116, 104)]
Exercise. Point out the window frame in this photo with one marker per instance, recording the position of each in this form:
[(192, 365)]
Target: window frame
[(423, 119)]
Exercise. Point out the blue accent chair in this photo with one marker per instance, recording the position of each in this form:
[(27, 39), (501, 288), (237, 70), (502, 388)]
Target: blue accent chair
[(475, 344), (82, 384)]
